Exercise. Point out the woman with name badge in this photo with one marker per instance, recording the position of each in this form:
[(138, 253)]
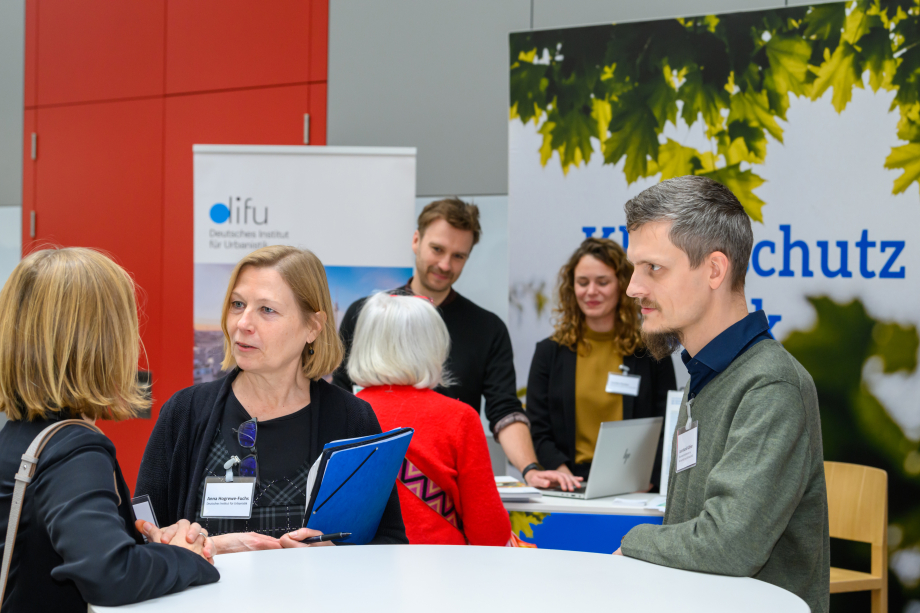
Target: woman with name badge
[(593, 369), (234, 454)]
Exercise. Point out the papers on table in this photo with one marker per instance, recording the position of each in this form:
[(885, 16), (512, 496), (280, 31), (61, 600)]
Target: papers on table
[(658, 502), (512, 490)]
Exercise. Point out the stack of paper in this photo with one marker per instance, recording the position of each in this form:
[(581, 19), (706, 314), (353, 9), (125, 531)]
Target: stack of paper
[(512, 490)]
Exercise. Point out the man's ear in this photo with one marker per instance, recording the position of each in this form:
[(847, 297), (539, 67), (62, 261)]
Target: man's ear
[(416, 242), (718, 269)]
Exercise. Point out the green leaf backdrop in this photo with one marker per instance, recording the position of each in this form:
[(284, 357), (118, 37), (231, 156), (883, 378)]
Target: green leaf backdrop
[(611, 90)]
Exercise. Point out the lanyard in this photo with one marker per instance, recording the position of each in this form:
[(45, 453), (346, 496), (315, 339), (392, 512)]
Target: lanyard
[(689, 406)]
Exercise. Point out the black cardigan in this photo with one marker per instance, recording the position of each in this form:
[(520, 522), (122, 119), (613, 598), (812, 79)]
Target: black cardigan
[(551, 401), (177, 450), (76, 540)]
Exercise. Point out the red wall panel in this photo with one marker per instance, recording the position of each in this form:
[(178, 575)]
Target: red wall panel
[(225, 44), (318, 114), (118, 93), (99, 49), (31, 52), (319, 40), (253, 117), (100, 184), (28, 176)]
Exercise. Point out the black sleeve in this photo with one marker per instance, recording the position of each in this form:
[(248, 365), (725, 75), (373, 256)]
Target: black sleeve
[(663, 381), (347, 334), (156, 471), (499, 384), (391, 530), (541, 427), (77, 502)]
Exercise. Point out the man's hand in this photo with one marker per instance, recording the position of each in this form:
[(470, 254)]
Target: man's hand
[(548, 478), (618, 552), (292, 539), (518, 446)]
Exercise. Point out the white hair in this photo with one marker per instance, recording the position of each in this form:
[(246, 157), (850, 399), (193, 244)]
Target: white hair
[(399, 340)]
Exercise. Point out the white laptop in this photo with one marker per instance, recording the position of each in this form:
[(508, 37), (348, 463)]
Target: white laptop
[(623, 459)]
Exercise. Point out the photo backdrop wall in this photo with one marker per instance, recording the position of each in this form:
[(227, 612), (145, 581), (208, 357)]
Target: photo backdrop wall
[(811, 115)]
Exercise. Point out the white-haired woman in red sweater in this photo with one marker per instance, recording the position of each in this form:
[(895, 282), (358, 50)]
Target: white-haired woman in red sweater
[(446, 488)]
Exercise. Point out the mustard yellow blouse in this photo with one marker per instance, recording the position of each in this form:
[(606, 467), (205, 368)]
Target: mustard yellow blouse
[(593, 405)]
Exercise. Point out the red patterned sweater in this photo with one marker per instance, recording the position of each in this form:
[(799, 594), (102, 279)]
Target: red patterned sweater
[(449, 447)]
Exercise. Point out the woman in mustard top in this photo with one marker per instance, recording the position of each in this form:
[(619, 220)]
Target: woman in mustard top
[(596, 333)]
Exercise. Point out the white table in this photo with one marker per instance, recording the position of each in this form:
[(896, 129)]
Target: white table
[(407, 578), (595, 506)]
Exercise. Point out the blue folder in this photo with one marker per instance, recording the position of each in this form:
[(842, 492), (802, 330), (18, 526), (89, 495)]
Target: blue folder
[(351, 481)]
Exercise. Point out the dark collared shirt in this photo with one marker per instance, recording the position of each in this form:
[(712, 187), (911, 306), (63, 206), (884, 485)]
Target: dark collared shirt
[(723, 349)]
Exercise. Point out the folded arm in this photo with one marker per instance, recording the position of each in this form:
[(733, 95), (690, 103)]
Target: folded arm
[(77, 503)]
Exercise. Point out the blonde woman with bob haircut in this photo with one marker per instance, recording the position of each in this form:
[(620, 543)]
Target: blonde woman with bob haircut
[(69, 349), (400, 346), (274, 409), (596, 333)]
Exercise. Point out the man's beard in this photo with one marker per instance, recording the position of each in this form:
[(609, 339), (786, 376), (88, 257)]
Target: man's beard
[(423, 277), (663, 343)]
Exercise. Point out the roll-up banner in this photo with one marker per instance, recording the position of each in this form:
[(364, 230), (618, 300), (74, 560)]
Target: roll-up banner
[(811, 116), (351, 206)]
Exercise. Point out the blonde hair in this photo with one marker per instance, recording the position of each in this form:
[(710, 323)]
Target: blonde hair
[(399, 340), (69, 338), (306, 276)]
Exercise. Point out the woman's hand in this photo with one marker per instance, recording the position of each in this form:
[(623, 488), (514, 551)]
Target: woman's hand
[(236, 542), (292, 539), (182, 534), (547, 478)]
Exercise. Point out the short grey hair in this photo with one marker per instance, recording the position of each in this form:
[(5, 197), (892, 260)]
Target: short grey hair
[(705, 216), (399, 340)]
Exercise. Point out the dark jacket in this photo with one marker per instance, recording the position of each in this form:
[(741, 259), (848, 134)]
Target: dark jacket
[(76, 540), (177, 450), (551, 401)]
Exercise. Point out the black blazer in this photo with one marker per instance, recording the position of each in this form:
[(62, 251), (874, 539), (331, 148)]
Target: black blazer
[(76, 539), (551, 401)]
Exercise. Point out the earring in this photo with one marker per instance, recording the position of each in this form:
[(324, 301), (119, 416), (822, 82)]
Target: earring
[(311, 350)]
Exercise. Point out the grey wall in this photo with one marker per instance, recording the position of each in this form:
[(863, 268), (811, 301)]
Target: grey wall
[(434, 75), (12, 62)]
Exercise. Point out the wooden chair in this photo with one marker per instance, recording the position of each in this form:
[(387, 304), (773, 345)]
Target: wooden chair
[(857, 506)]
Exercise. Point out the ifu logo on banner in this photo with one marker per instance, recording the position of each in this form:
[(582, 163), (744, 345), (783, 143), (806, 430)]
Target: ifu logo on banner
[(239, 211), (249, 222)]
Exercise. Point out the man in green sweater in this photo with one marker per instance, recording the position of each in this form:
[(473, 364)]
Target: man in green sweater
[(746, 494)]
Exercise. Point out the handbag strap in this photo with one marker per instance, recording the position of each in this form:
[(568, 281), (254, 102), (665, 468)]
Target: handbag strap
[(430, 493), (23, 478)]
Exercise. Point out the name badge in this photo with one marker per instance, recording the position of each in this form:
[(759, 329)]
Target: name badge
[(224, 500), (627, 385), (686, 447)]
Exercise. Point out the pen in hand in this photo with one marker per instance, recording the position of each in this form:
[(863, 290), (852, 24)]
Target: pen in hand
[(335, 536)]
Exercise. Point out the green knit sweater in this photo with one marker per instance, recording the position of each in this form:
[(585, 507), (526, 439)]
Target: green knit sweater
[(755, 504)]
